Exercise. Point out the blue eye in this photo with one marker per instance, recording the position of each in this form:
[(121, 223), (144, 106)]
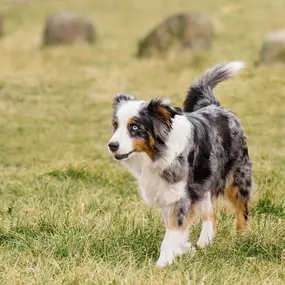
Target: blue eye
[(135, 127)]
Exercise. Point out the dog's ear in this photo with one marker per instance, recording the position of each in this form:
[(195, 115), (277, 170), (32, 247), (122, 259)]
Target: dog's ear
[(161, 113), (121, 98), (161, 109)]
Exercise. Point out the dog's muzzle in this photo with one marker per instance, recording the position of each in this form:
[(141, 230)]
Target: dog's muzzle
[(123, 156)]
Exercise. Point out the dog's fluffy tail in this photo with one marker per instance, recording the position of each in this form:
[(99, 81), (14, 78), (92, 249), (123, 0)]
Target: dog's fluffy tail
[(200, 93)]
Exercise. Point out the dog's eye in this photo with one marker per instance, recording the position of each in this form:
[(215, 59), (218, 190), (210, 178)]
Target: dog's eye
[(135, 127)]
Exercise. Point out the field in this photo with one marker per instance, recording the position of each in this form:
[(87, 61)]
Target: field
[(69, 214)]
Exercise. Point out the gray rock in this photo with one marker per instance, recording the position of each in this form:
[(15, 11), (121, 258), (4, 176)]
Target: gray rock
[(273, 48), (187, 31), (68, 28)]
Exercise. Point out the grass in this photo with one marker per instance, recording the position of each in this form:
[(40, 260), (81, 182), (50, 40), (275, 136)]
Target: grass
[(68, 213)]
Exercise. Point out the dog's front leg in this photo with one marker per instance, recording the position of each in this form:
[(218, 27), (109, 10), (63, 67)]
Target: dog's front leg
[(178, 218)]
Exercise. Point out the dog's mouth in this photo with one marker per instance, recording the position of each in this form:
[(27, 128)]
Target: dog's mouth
[(123, 156)]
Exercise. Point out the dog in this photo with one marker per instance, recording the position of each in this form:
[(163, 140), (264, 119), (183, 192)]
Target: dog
[(184, 158)]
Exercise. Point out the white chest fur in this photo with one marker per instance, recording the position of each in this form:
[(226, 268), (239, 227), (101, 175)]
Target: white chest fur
[(153, 188)]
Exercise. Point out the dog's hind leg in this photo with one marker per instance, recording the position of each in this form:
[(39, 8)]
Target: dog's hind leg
[(208, 221), (240, 205), (178, 218), (239, 192), (239, 189)]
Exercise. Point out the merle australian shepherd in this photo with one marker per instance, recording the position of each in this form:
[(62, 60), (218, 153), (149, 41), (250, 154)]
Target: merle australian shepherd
[(183, 159)]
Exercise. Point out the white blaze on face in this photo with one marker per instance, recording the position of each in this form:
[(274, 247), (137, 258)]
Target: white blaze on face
[(125, 112)]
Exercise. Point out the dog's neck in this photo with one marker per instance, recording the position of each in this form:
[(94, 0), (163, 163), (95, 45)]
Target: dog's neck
[(177, 141)]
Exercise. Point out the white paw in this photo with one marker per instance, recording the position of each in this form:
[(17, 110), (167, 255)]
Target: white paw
[(165, 258), (168, 254), (205, 241), (202, 244)]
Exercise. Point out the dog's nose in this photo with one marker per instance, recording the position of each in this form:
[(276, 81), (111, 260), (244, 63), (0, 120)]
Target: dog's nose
[(113, 146)]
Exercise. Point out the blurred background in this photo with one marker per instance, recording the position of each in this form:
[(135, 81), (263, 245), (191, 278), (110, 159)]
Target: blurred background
[(62, 196), (50, 89)]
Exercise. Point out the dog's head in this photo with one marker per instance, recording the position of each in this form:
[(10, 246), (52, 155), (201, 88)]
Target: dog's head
[(140, 126)]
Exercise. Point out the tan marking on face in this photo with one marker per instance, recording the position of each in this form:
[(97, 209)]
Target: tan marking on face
[(131, 121), (239, 205), (141, 145), (151, 141)]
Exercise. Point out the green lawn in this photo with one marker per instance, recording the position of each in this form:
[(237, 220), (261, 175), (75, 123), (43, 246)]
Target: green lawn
[(69, 214)]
